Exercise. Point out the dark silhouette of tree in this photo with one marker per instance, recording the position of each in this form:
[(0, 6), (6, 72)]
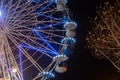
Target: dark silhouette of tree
[(103, 38)]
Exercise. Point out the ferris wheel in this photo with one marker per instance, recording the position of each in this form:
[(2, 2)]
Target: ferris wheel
[(35, 37)]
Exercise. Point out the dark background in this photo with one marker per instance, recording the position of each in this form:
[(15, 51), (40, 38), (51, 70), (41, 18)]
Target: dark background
[(81, 64)]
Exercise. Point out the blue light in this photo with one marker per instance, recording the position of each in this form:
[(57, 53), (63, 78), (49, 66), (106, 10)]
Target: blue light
[(38, 49), (33, 0), (0, 13), (43, 8), (51, 25), (43, 38), (20, 57), (48, 74), (53, 18)]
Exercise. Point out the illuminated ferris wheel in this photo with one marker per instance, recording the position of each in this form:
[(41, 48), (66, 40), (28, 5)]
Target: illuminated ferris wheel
[(36, 36)]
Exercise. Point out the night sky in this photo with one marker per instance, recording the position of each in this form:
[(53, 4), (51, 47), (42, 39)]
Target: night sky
[(82, 65)]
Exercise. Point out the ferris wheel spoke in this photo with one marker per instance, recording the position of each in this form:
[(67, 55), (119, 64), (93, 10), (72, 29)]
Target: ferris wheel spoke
[(49, 39), (22, 13), (27, 37), (15, 42), (31, 59), (10, 9), (9, 70), (32, 23), (51, 33), (17, 13), (31, 64), (50, 17), (38, 49), (43, 8), (50, 65), (10, 58), (53, 25), (41, 36), (20, 27), (51, 10), (33, 39), (31, 34), (42, 50), (12, 61)]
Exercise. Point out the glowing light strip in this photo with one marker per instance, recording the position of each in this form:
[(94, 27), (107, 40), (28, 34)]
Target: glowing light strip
[(53, 18), (51, 25), (38, 49), (46, 6), (44, 40), (20, 57), (0, 13)]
